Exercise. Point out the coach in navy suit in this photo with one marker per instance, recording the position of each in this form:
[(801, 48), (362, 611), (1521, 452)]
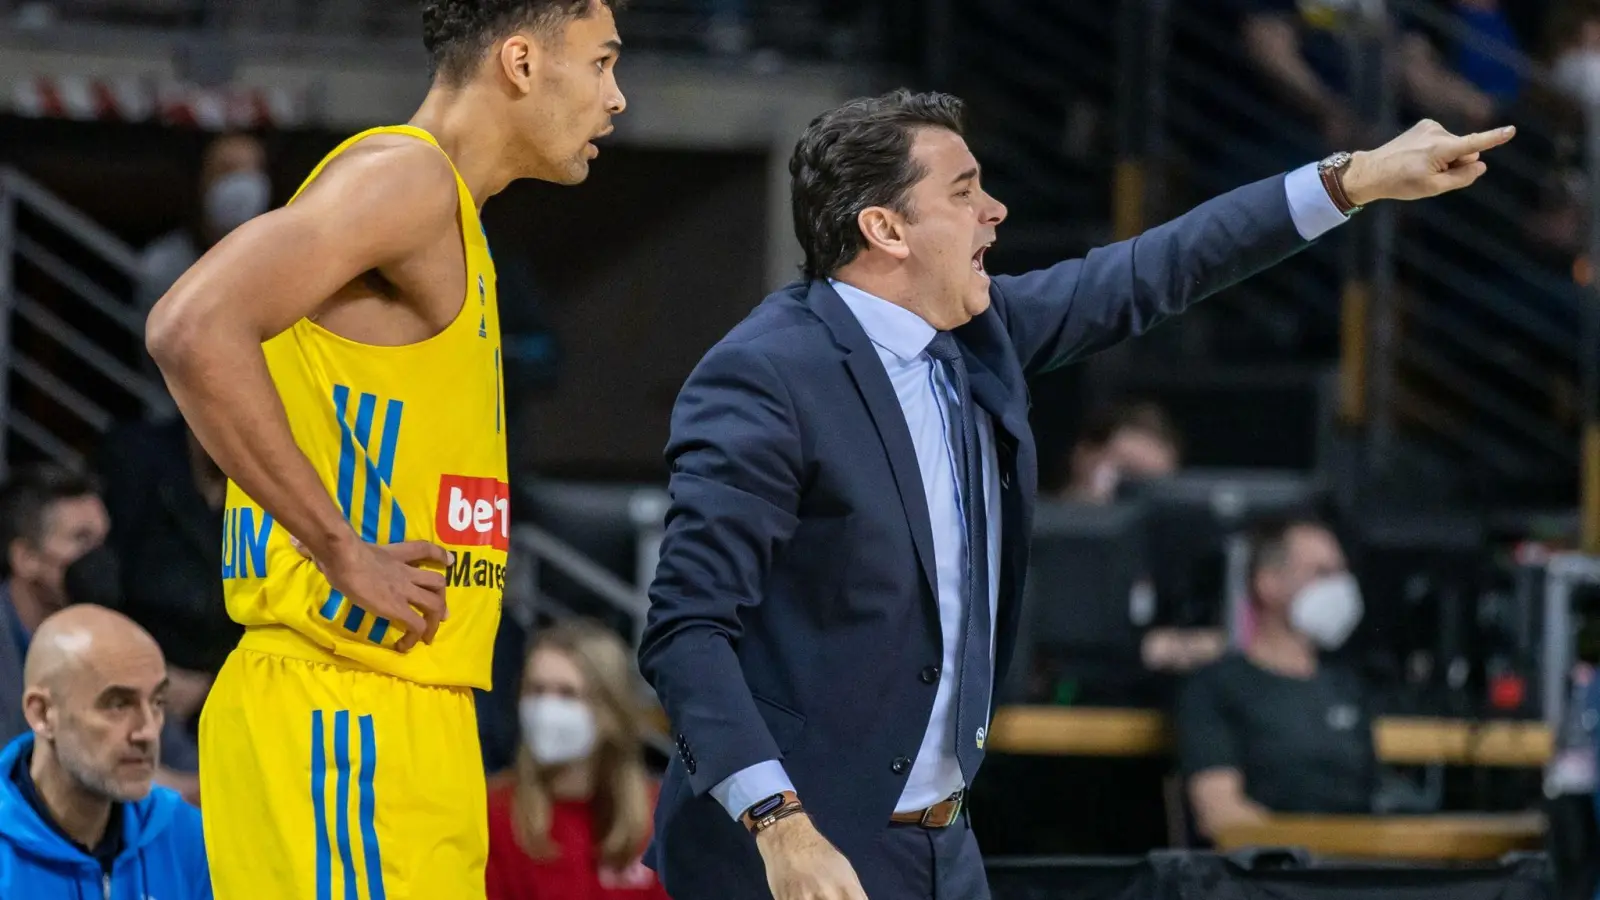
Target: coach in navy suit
[(825, 645)]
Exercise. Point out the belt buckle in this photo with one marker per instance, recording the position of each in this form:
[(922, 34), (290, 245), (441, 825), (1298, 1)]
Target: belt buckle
[(955, 811)]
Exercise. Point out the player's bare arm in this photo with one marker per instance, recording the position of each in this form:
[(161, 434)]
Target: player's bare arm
[(375, 210)]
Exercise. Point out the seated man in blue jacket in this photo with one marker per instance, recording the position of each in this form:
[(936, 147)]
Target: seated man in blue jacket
[(79, 816)]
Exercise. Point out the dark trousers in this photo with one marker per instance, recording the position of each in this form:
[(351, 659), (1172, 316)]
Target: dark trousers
[(913, 863)]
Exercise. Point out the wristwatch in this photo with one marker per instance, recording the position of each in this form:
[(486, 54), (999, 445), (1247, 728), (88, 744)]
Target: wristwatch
[(764, 813), (1332, 171)]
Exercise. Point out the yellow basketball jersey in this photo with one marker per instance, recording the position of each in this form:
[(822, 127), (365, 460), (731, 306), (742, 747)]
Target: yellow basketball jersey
[(410, 442)]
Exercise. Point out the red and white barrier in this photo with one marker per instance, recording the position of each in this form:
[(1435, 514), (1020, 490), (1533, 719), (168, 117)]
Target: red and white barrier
[(132, 99)]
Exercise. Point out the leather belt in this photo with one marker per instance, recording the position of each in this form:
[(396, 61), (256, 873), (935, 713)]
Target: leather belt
[(940, 815)]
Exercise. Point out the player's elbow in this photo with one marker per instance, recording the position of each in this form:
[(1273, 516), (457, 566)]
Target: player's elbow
[(173, 334)]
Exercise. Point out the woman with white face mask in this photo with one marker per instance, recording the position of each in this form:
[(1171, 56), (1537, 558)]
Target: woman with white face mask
[(575, 822), (1276, 726)]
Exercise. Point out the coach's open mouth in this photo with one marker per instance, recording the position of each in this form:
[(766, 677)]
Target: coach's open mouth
[(977, 259)]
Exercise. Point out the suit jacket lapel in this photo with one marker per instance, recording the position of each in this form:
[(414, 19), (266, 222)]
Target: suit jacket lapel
[(873, 383)]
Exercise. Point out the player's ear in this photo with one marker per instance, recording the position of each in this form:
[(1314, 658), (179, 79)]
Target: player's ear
[(518, 57)]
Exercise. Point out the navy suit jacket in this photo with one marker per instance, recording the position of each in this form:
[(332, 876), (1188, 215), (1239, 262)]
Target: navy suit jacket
[(793, 608)]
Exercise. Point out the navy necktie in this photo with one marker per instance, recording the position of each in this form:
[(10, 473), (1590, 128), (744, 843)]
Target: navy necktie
[(973, 690)]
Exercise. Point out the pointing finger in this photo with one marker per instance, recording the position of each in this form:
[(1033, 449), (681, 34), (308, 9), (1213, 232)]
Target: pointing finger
[(1483, 140)]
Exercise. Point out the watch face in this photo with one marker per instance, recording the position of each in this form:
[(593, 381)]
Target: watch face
[(769, 805)]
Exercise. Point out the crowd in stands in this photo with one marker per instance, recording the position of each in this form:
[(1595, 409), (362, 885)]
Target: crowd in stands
[(1269, 724), (569, 819)]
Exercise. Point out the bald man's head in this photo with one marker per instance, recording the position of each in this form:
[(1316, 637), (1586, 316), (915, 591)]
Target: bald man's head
[(95, 696)]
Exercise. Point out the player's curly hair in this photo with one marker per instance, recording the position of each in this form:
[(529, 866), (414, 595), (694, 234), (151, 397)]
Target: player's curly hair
[(457, 32)]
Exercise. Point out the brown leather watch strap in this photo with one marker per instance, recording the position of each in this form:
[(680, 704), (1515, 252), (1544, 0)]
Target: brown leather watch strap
[(765, 814), (1333, 180)]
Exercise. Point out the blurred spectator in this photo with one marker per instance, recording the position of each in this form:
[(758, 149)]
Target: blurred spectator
[(165, 497), (1277, 727), (234, 188), (1575, 50), (160, 566), (576, 820), (1480, 52), (1300, 46), (1131, 441), (78, 814), (729, 32), (49, 517)]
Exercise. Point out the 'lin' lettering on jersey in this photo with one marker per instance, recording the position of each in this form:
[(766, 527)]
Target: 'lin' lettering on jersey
[(244, 545)]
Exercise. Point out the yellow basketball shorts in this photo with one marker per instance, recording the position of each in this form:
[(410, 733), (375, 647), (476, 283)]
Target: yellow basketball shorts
[(325, 782)]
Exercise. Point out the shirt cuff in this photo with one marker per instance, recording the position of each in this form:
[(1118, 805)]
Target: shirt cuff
[(741, 790), (1310, 206)]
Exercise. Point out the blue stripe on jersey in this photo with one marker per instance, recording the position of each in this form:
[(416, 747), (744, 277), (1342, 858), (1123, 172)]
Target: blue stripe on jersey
[(347, 449), (347, 478), (341, 753), (369, 830), (369, 505), (365, 408), (319, 803)]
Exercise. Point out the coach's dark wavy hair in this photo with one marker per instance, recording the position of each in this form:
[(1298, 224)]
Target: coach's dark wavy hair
[(458, 32), (856, 157)]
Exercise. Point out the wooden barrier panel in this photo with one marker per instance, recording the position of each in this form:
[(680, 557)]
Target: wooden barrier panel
[(1088, 731), (1459, 838)]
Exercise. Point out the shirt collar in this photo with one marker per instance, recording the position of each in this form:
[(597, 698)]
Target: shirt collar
[(894, 328)]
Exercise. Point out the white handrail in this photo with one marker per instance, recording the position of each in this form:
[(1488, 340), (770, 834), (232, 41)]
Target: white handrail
[(112, 248)]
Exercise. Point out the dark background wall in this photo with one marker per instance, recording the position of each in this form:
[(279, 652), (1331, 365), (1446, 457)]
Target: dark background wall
[(638, 272)]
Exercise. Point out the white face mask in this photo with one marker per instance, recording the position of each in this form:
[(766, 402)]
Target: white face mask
[(557, 729), (236, 198), (1327, 610), (1577, 74)]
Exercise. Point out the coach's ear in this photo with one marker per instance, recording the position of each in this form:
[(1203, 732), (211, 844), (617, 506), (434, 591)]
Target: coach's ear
[(884, 229)]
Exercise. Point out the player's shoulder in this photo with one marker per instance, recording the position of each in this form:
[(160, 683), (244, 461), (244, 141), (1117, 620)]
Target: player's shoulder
[(388, 170)]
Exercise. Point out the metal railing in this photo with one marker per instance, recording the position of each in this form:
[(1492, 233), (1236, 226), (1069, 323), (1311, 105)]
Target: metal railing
[(70, 340), (1459, 332), (1453, 328)]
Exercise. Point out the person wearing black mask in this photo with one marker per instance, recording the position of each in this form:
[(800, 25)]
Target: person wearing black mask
[(160, 566)]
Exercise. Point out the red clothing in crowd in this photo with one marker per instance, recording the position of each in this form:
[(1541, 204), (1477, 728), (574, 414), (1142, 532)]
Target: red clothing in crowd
[(575, 874)]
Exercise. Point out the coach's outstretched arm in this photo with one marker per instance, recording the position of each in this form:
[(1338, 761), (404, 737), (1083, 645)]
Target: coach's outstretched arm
[(1082, 306), (370, 208)]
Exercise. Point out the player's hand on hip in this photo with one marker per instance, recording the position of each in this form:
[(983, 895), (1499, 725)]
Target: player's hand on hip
[(802, 865), (1425, 161), (387, 580)]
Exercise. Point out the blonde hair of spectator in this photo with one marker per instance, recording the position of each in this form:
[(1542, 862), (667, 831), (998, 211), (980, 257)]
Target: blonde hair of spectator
[(621, 801)]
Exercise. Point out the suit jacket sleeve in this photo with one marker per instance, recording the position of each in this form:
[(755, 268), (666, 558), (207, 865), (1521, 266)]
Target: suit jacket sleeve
[(1081, 306), (735, 455)]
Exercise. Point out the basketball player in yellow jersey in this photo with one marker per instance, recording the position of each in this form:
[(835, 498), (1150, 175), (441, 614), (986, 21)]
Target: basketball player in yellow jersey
[(340, 359)]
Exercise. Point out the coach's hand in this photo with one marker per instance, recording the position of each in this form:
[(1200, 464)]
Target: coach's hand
[(802, 865), (1426, 161), (386, 580)]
